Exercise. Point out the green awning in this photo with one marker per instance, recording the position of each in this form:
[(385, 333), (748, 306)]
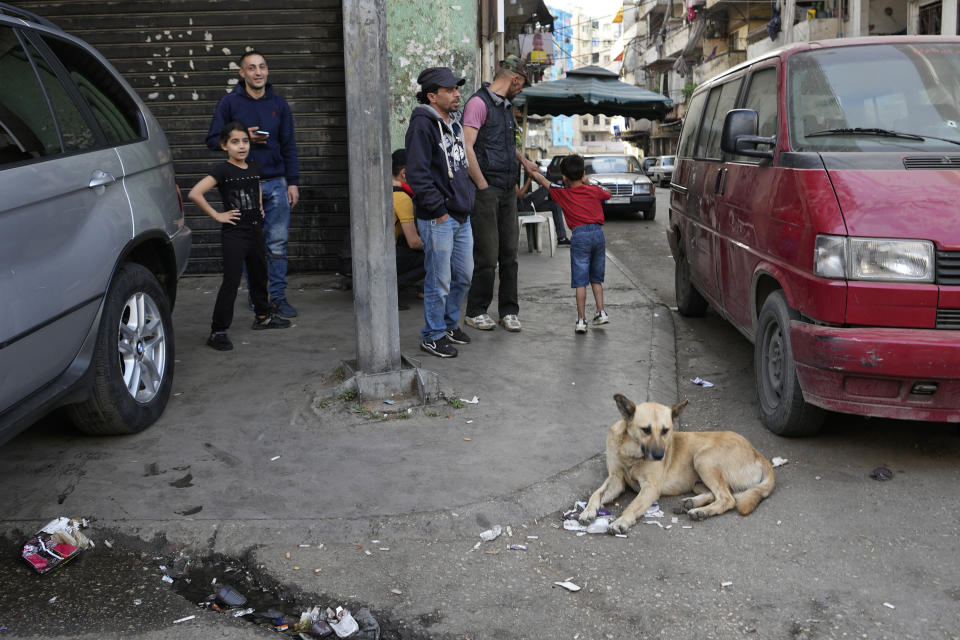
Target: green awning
[(593, 90)]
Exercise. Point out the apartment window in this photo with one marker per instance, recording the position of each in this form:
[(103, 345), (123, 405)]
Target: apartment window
[(930, 19), (586, 121), (606, 59), (595, 58), (596, 119)]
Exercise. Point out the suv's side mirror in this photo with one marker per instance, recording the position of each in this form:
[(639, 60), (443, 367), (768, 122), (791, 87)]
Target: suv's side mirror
[(739, 135)]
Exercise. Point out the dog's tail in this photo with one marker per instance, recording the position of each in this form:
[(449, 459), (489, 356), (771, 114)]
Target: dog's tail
[(748, 500)]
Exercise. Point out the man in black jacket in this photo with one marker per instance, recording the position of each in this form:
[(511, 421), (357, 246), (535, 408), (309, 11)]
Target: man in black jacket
[(494, 159), (443, 200)]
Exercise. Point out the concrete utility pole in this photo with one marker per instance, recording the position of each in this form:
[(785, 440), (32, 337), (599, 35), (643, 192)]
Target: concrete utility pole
[(371, 199)]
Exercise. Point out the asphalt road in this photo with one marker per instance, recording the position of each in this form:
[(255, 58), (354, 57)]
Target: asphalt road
[(831, 553)]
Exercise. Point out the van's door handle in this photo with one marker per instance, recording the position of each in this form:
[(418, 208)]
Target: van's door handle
[(716, 183), (100, 178), (723, 182)]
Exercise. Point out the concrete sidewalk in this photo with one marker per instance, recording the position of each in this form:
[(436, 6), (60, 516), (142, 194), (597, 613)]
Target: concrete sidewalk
[(246, 447)]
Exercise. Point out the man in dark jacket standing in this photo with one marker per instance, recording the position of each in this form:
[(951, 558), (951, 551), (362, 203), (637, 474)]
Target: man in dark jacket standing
[(270, 122), (443, 200), (494, 160)]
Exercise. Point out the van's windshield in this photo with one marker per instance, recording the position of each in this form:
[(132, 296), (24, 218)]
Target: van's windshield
[(875, 97)]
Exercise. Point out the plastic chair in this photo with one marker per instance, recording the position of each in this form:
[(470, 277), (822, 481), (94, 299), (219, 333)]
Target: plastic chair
[(544, 224)]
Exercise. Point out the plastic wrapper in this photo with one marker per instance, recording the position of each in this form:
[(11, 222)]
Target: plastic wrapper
[(57, 542)]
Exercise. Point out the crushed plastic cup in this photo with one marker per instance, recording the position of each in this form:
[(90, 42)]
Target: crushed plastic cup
[(342, 622), (600, 525), (491, 534), (573, 525), (230, 597)]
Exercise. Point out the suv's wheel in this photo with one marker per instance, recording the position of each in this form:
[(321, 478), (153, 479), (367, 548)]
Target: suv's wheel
[(782, 408), (689, 301), (133, 360)]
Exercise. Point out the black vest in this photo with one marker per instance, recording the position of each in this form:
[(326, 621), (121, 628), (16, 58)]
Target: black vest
[(496, 143)]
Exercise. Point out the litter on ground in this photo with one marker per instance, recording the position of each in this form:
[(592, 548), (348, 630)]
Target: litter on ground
[(779, 462), (569, 586), (701, 382)]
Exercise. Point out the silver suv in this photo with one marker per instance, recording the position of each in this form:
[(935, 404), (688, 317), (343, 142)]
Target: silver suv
[(92, 238)]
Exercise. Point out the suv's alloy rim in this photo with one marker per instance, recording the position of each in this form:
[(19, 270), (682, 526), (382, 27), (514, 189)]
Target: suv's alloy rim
[(142, 347)]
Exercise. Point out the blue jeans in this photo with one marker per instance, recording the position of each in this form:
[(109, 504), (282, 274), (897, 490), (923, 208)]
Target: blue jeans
[(448, 258), (587, 255), (276, 231)]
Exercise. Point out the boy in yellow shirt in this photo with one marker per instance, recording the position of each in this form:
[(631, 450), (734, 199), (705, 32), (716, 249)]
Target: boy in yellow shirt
[(410, 266)]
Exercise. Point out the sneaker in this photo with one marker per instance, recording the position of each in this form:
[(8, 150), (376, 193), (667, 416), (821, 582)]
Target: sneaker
[(219, 341), (510, 322), (483, 322), (563, 242), (601, 317), (270, 322), (457, 336), (440, 347), (581, 325), (283, 309)]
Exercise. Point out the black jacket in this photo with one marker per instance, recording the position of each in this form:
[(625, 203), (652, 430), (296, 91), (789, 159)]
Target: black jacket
[(437, 166)]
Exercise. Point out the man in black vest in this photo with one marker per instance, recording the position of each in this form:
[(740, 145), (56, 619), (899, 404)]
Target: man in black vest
[(494, 160)]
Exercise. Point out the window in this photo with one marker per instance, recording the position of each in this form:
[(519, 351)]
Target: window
[(27, 130), (930, 19), (112, 106), (74, 129), (596, 119), (606, 59), (721, 100), (595, 57), (762, 98), (586, 121)]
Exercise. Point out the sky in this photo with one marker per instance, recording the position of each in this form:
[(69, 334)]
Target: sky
[(595, 8)]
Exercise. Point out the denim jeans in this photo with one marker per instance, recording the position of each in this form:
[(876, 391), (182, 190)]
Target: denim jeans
[(276, 231), (448, 257), (496, 236)]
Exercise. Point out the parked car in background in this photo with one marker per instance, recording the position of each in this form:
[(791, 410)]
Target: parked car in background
[(92, 238), (630, 190), (814, 206), (648, 163), (662, 170)]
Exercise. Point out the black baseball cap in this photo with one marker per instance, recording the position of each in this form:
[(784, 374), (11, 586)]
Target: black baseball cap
[(439, 77)]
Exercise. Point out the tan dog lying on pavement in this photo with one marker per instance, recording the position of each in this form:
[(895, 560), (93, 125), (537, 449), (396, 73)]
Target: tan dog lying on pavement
[(646, 453)]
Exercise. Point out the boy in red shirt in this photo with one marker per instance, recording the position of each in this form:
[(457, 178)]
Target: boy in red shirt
[(582, 204)]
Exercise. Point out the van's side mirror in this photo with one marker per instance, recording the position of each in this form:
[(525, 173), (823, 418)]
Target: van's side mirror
[(740, 137)]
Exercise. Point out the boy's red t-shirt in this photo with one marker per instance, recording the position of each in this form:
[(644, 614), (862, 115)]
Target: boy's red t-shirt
[(581, 204)]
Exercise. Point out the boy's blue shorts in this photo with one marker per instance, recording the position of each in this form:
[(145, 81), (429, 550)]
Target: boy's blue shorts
[(587, 255)]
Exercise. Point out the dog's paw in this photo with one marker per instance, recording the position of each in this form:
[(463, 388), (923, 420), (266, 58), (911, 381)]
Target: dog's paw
[(687, 504), (588, 516), (697, 514), (620, 525)]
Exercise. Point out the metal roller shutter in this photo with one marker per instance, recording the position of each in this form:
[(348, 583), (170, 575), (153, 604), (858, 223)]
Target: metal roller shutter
[(179, 56)]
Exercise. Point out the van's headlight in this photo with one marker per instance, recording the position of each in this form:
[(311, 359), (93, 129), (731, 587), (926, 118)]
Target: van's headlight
[(642, 187), (877, 259)]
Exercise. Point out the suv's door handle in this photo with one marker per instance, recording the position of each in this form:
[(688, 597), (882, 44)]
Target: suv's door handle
[(100, 178), (716, 184), (723, 182)]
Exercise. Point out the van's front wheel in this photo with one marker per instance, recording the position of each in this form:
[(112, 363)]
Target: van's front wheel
[(782, 407)]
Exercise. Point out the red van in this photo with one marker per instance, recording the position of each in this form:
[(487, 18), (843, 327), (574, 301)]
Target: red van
[(816, 206)]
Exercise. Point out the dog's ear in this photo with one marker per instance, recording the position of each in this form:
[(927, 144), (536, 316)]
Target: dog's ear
[(677, 408), (626, 407)]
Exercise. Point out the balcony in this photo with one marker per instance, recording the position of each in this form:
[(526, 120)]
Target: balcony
[(653, 7), (721, 62), (804, 31)]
